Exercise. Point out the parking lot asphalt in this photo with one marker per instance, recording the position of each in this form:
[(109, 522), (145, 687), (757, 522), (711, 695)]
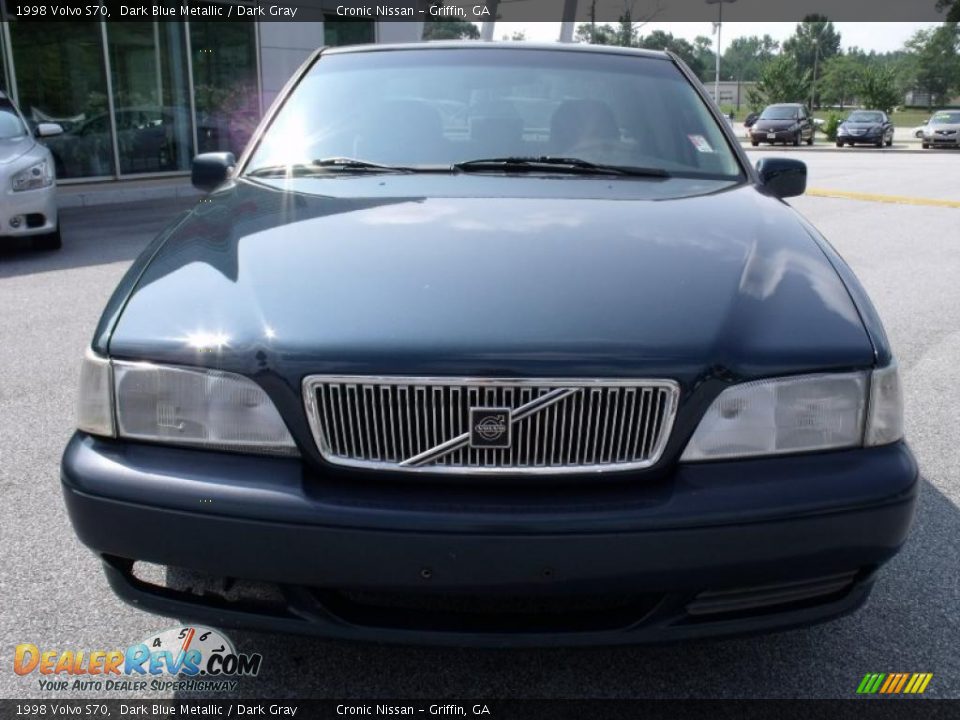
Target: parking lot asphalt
[(908, 256)]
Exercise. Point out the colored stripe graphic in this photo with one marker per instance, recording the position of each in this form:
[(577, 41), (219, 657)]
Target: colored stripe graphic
[(894, 683), (918, 683), (870, 683)]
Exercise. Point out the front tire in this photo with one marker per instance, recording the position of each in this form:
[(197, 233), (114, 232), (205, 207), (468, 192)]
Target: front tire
[(925, 146), (890, 142), (50, 241), (754, 143), (796, 140), (810, 140), (839, 144)]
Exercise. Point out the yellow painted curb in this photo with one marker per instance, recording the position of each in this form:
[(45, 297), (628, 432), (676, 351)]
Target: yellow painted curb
[(895, 199)]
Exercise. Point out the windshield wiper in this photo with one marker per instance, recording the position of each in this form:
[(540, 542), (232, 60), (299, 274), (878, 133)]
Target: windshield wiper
[(550, 163), (354, 164), (324, 165)]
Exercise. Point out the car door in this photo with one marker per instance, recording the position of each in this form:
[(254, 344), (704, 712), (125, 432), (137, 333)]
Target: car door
[(806, 124)]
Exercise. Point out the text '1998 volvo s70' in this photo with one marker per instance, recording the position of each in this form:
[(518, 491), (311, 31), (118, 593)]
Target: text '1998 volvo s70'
[(493, 344)]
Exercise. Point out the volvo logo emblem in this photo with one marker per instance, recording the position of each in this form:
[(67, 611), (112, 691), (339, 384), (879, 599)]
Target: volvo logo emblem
[(490, 427)]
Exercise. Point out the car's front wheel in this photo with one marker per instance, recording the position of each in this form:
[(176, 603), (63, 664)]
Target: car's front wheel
[(796, 139), (839, 144), (50, 241), (754, 143), (925, 146)]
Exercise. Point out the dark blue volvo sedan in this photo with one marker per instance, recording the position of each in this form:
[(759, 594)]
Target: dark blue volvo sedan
[(492, 344)]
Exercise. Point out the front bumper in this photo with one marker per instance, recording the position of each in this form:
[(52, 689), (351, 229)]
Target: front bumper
[(716, 548), (778, 135), (35, 209), (864, 138), (943, 140)]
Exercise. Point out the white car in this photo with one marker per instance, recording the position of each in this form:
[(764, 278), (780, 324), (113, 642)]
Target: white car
[(28, 190)]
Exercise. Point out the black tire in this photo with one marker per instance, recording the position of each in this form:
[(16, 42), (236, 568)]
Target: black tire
[(890, 142), (810, 140), (796, 140), (50, 241), (754, 143), (839, 144), (925, 146)]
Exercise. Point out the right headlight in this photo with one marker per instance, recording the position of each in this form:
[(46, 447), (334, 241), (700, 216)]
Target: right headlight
[(179, 406), (38, 175), (805, 413)]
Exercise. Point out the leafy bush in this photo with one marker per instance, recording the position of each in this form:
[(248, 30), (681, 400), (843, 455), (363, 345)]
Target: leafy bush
[(831, 126)]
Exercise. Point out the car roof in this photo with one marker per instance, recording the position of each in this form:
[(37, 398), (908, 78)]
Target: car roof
[(495, 45)]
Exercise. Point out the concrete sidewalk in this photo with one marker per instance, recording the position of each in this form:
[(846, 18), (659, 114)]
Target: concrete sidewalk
[(125, 191)]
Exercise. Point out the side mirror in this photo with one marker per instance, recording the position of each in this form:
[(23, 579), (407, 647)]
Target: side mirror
[(210, 170), (48, 129), (782, 177)]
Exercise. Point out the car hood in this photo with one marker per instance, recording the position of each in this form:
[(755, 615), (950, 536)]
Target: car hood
[(14, 148), (861, 125), (944, 126), (579, 276), (774, 124)]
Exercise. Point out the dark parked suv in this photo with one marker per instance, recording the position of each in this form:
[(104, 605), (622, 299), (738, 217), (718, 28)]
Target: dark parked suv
[(492, 344), (787, 123)]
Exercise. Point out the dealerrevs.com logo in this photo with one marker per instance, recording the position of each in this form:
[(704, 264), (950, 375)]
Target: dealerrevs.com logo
[(180, 658)]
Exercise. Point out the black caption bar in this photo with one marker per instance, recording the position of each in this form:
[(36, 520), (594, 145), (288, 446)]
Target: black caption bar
[(894, 709), (602, 11)]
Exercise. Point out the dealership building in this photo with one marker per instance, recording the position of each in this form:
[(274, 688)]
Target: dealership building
[(140, 98)]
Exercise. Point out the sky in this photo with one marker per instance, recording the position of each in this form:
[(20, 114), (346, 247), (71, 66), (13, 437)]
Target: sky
[(879, 36)]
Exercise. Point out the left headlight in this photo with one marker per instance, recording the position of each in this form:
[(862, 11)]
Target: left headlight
[(180, 406), (805, 413), (39, 175)]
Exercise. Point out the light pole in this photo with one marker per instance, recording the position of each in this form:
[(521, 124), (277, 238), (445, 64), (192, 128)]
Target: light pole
[(716, 82), (813, 85)]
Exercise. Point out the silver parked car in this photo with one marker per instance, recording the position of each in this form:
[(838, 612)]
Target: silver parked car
[(28, 205), (943, 130)]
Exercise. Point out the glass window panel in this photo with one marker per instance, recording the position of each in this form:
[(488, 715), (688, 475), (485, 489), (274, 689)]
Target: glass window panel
[(60, 78), (224, 59), (151, 97)]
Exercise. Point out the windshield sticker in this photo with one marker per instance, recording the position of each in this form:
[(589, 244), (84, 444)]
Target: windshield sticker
[(700, 143)]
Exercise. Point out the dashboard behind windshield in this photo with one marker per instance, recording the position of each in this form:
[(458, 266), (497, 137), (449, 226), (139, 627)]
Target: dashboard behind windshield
[(430, 107)]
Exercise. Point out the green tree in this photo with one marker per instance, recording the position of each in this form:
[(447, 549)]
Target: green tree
[(877, 89), (781, 81), (813, 43), (661, 40), (952, 7), (706, 58), (815, 40), (840, 79), (935, 61), (745, 57), (449, 29), (597, 34)]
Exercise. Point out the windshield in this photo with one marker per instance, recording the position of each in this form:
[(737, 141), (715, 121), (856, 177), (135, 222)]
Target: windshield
[(780, 113), (441, 107), (10, 124), (946, 118), (865, 117)]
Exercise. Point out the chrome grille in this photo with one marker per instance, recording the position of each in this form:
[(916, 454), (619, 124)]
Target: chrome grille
[(422, 424)]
